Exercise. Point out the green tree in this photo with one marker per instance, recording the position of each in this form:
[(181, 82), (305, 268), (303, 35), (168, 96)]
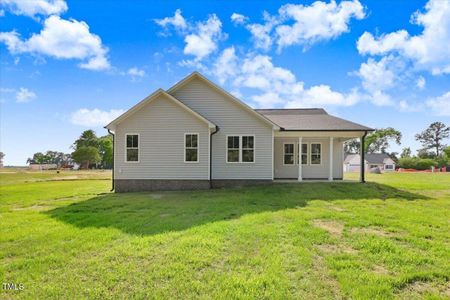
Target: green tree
[(378, 141), (86, 156), (433, 136), (88, 138), (105, 147), (39, 158), (406, 152), (351, 146)]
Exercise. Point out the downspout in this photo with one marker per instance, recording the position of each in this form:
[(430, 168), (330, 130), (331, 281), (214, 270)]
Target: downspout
[(112, 187), (363, 165), (210, 156)]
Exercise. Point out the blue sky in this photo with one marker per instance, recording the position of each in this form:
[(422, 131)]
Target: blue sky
[(67, 66)]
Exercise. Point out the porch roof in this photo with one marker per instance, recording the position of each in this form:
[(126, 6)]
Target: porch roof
[(309, 119)]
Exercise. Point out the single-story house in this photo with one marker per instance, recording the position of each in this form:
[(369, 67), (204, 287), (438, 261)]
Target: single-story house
[(34, 166), (352, 162), (196, 135)]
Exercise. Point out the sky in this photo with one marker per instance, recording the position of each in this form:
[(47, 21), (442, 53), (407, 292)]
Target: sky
[(68, 66)]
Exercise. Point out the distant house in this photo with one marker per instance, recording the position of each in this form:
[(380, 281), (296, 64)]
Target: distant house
[(196, 135), (34, 166), (352, 162)]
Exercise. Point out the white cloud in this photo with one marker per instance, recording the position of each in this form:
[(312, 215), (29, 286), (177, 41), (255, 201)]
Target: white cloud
[(203, 40), (62, 39), (238, 19), (94, 117), (429, 50), (136, 72), (440, 105), (377, 75), (262, 33), (319, 21), (32, 8), (275, 86), (226, 65), (177, 21), (421, 82), (297, 24), (24, 95)]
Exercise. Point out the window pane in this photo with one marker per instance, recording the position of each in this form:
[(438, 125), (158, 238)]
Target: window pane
[(132, 154), (233, 155), (315, 148), (194, 140), (247, 142), (289, 159), (247, 155), (304, 148), (135, 141), (188, 140), (191, 155), (288, 148), (315, 159), (129, 141), (233, 142), (304, 159)]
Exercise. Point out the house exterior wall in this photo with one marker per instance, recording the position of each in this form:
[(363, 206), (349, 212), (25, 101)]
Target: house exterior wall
[(161, 126), (309, 171), (232, 119)]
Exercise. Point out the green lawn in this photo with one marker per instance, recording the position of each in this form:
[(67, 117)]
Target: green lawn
[(71, 239)]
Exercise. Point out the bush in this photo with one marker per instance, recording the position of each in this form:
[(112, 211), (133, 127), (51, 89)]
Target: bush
[(416, 163)]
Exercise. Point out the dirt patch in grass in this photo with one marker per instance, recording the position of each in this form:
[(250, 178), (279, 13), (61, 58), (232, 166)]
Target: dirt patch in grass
[(157, 196), (322, 271), (336, 249), (336, 208), (419, 289), (33, 207), (371, 231), (333, 227), (380, 270)]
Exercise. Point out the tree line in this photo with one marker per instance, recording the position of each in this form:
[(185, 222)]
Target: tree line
[(434, 151), (90, 151)]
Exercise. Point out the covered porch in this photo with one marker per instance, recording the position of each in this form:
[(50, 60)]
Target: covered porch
[(320, 156)]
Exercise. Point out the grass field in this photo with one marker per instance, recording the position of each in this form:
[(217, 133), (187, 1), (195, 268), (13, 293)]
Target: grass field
[(65, 236)]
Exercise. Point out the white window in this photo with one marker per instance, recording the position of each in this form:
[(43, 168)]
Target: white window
[(288, 158), (190, 147), (389, 167), (316, 154), (248, 148), (304, 154), (132, 148), (240, 148)]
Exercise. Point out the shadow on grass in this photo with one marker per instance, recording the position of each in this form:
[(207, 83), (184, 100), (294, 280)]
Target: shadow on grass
[(157, 212)]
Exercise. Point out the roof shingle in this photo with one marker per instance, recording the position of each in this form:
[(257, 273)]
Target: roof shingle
[(309, 119)]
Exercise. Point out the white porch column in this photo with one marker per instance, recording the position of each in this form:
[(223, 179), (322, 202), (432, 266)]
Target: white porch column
[(330, 175), (300, 178)]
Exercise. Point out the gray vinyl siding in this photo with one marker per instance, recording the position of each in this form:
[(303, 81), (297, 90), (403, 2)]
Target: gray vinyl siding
[(309, 171), (232, 119), (161, 125)]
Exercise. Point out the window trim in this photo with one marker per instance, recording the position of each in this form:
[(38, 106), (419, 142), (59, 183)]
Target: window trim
[(240, 149), (391, 166), (293, 154), (126, 148), (311, 153), (198, 148)]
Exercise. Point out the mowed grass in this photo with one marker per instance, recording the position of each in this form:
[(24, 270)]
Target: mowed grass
[(72, 239)]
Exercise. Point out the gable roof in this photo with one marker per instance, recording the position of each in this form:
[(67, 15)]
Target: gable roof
[(152, 97), (371, 158), (309, 119), (196, 74)]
